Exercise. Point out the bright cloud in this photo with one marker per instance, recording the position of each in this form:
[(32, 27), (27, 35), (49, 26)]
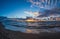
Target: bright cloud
[(33, 14)]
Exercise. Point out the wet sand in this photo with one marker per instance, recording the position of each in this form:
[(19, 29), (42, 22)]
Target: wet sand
[(8, 34)]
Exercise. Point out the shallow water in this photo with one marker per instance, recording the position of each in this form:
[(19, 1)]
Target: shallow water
[(27, 30)]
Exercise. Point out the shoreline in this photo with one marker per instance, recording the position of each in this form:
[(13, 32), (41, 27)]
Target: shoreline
[(8, 34)]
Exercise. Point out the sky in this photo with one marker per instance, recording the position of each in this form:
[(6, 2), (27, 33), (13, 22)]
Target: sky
[(24, 8)]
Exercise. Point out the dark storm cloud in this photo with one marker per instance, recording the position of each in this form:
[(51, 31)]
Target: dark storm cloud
[(54, 12)]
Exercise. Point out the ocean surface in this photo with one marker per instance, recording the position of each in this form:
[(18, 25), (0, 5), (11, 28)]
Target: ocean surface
[(10, 26)]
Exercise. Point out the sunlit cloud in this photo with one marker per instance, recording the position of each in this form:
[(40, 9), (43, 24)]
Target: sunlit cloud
[(28, 12), (33, 14)]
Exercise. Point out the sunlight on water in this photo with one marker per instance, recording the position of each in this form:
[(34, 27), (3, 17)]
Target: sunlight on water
[(30, 30)]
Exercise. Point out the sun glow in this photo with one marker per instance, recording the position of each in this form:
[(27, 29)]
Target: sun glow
[(36, 13), (30, 20)]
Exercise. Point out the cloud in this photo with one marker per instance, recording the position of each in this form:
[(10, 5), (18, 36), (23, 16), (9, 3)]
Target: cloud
[(46, 4), (51, 7), (31, 13), (28, 12), (52, 12)]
